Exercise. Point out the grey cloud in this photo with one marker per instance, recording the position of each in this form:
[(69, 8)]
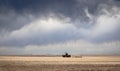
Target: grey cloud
[(42, 31), (56, 28), (45, 22), (12, 20), (12, 10), (73, 47)]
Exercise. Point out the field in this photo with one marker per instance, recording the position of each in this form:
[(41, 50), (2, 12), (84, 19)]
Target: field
[(38, 63)]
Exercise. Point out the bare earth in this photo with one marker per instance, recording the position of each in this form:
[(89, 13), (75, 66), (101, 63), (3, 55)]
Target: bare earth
[(84, 63)]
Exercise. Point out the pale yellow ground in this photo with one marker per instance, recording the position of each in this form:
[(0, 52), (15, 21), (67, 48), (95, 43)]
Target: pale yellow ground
[(72, 60)]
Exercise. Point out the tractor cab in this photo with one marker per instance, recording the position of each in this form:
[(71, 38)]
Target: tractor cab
[(66, 55)]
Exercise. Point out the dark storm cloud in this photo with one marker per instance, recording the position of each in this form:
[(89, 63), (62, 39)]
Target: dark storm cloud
[(40, 6), (13, 9), (43, 22)]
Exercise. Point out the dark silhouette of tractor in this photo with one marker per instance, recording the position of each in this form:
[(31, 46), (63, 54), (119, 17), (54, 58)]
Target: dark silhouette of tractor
[(66, 55)]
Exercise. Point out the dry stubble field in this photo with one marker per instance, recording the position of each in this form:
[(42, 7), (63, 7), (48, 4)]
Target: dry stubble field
[(85, 63)]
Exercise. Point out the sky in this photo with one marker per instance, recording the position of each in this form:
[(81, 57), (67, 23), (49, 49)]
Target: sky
[(81, 27)]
